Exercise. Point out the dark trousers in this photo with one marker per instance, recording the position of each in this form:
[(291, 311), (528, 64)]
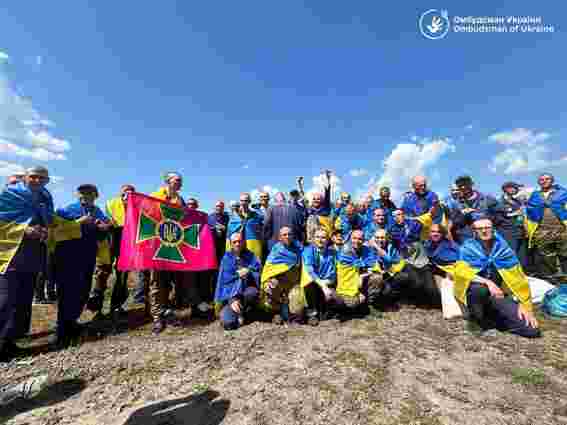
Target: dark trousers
[(46, 281), (520, 248), (415, 285), (547, 255), (16, 293), (496, 313), (229, 318), (75, 266)]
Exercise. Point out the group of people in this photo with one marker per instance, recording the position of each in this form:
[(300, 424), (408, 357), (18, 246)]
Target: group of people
[(290, 259)]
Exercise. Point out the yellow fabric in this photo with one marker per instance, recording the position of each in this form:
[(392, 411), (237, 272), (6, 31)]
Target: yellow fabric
[(426, 221), (531, 228), (272, 270), (514, 279), (306, 279), (11, 235), (348, 280), (327, 224), (163, 194), (449, 269), (396, 268), (63, 230), (103, 253), (116, 212), (253, 245)]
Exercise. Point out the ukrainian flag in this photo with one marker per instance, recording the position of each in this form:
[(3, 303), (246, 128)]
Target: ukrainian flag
[(537, 203), (17, 209), (473, 260), (283, 259), (390, 263), (445, 255), (349, 266), (251, 227), (414, 209), (313, 268)]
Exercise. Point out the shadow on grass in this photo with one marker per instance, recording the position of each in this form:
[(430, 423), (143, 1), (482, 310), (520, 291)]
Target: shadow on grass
[(199, 409), (56, 393)]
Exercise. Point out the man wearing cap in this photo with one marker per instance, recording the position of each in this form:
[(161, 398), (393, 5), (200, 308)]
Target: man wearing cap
[(26, 209), (470, 205), (511, 221), (15, 178), (116, 211), (75, 260)]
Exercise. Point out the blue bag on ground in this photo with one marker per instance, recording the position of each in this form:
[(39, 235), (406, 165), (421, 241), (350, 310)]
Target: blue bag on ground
[(555, 302)]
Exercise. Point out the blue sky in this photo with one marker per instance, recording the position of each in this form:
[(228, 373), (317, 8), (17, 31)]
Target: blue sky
[(241, 95)]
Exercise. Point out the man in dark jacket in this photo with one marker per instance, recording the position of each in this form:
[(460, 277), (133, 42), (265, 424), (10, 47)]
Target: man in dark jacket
[(282, 215)]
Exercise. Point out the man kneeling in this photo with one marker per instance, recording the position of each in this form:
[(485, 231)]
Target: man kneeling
[(237, 284), (491, 283)]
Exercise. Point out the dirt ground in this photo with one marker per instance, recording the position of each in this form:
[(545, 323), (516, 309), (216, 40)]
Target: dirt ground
[(407, 367)]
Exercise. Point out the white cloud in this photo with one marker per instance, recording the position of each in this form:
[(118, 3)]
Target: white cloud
[(271, 190), (406, 161), (10, 168), (525, 152), (23, 130), (358, 172), (38, 60), (246, 166), (4, 56), (469, 127)]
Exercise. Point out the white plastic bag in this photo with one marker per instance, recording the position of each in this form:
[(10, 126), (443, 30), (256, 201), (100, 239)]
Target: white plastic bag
[(538, 288), (450, 305)]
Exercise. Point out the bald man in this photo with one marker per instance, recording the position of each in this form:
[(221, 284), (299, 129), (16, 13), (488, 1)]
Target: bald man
[(422, 205)]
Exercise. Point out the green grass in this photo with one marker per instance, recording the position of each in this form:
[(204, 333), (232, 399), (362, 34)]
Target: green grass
[(528, 376)]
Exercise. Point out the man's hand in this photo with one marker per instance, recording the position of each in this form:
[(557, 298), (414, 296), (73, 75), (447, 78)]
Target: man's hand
[(236, 306), (527, 316), (101, 225), (243, 272), (33, 232), (380, 251), (495, 291), (469, 210), (86, 219)]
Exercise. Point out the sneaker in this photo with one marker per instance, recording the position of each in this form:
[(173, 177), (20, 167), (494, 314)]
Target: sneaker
[(26, 390), (277, 320), (38, 300), (120, 311), (489, 333), (158, 327)]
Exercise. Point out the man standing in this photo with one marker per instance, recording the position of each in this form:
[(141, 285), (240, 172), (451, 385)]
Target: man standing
[(26, 209), (116, 212), (422, 205), (75, 260), (238, 284), (490, 282), (470, 205), (511, 221), (386, 203), (547, 225), (348, 222), (249, 223), (279, 216), (378, 222), (319, 211)]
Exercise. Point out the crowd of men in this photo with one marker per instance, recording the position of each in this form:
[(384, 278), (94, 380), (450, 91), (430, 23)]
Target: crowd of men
[(290, 259)]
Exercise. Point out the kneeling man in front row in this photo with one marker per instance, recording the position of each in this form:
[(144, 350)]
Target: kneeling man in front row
[(238, 284), (492, 285)]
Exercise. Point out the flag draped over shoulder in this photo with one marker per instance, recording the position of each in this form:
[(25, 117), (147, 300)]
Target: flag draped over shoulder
[(17, 209), (418, 208), (557, 202), (161, 236), (318, 266), (250, 227), (444, 255), (350, 266), (391, 263), (229, 284), (473, 260), (281, 259)]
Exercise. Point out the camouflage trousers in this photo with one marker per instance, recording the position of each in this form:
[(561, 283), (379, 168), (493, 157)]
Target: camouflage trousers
[(549, 254)]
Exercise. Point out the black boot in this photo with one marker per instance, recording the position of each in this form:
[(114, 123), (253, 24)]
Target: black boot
[(312, 317)]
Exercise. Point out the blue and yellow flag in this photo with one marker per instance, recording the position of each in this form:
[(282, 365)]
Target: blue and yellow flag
[(19, 206), (282, 258), (391, 263), (350, 266), (444, 254), (229, 284), (557, 202), (418, 209), (251, 228), (473, 260), (318, 266), (346, 226)]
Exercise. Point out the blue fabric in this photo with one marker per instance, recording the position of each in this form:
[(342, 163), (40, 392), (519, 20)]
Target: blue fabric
[(366, 260), (229, 318), (21, 205), (214, 219), (557, 202), (77, 210), (371, 228), (322, 266), (406, 233), (443, 253), (389, 260), (347, 226), (282, 254), (414, 205), (229, 284), (555, 302), (501, 256)]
